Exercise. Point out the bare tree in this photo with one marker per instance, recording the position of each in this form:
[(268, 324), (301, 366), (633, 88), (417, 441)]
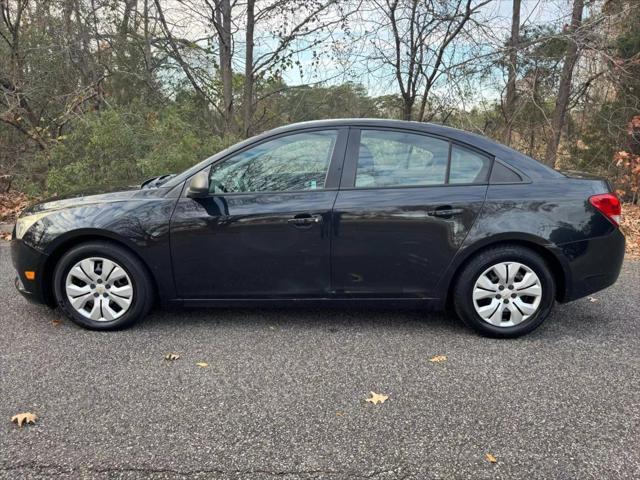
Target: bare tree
[(512, 67), (414, 40), (564, 88), (249, 78), (309, 24), (18, 111), (221, 20), (259, 40)]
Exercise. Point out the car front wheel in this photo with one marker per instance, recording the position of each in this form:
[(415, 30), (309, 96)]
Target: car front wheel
[(102, 286), (505, 291)]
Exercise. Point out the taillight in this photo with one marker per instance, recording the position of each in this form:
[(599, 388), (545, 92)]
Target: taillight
[(609, 205)]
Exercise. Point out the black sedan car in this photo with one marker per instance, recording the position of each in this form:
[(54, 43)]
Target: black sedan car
[(342, 211)]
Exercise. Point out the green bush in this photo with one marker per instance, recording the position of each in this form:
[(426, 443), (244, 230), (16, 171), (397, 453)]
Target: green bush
[(118, 148)]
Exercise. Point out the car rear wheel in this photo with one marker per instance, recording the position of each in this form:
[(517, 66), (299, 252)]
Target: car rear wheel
[(505, 291), (102, 286)]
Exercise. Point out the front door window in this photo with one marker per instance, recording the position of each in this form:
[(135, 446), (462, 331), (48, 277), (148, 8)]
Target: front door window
[(295, 162)]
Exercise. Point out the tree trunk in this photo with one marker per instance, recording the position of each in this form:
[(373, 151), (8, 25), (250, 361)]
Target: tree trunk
[(564, 90), (407, 108), (248, 71), (510, 101), (223, 13)]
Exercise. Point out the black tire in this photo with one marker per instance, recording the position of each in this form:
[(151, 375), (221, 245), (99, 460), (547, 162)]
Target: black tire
[(463, 290), (142, 285)]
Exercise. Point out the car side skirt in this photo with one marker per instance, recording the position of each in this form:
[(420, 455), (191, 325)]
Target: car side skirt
[(405, 303)]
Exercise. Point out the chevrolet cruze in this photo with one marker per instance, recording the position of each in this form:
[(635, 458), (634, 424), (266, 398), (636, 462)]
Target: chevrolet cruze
[(341, 211)]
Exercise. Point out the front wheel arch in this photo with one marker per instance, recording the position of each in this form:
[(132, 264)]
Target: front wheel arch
[(62, 248)]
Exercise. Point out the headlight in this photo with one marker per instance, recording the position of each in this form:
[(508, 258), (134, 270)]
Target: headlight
[(24, 223)]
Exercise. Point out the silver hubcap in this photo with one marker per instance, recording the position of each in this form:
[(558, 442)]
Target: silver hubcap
[(99, 289), (506, 294)]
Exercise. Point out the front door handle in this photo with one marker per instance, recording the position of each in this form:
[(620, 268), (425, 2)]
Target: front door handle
[(305, 220), (445, 211)]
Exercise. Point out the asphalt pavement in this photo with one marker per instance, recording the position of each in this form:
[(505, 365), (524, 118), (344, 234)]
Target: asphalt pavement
[(283, 395)]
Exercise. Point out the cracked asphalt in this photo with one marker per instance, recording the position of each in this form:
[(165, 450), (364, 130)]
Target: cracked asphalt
[(284, 394)]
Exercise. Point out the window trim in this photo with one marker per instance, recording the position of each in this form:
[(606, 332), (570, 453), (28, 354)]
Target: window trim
[(348, 180), (332, 178)]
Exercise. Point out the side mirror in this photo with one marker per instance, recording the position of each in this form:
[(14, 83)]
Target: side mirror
[(199, 186)]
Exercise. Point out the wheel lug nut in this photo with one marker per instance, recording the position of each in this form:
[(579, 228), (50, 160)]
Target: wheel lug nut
[(506, 300), (107, 286), (92, 285), (96, 294), (513, 295), (99, 280), (501, 287), (105, 295), (510, 287), (498, 296)]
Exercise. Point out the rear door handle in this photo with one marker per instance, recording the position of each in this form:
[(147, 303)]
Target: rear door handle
[(305, 220), (445, 212)]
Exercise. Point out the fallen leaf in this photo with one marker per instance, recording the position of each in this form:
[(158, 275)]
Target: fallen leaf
[(26, 417), (438, 359), (491, 458), (377, 398), (339, 414), (11, 204), (5, 236), (202, 364), (171, 356), (630, 226), (56, 323), (593, 300)]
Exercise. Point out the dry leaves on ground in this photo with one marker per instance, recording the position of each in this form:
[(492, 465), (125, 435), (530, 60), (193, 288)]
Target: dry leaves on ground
[(171, 356), (22, 418), (631, 228), (491, 458), (56, 322), (202, 364), (377, 398), (438, 359), (6, 236), (11, 204)]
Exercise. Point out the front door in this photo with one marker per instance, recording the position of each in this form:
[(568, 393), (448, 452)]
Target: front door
[(264, 230), (406, 204)]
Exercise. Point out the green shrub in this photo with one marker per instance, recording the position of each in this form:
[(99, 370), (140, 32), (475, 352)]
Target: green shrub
[(118, 148)]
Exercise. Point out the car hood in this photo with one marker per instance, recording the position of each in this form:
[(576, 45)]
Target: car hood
[(91, 197)]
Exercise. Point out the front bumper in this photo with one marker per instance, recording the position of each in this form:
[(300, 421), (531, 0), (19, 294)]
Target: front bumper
[(593, 264), (26, 258), (24, 292)]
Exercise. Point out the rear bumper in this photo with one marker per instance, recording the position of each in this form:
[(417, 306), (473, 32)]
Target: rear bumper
[(592, 265), (25, 258)]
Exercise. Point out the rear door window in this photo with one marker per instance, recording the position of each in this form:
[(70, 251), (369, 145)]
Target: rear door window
[(468, 166), (393, 158)]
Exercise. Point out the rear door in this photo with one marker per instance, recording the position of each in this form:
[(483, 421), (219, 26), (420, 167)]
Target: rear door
[(406, 203), (264, 230)]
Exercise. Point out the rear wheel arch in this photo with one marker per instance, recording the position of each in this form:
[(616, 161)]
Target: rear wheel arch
[(554, 263), (71, 242)]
